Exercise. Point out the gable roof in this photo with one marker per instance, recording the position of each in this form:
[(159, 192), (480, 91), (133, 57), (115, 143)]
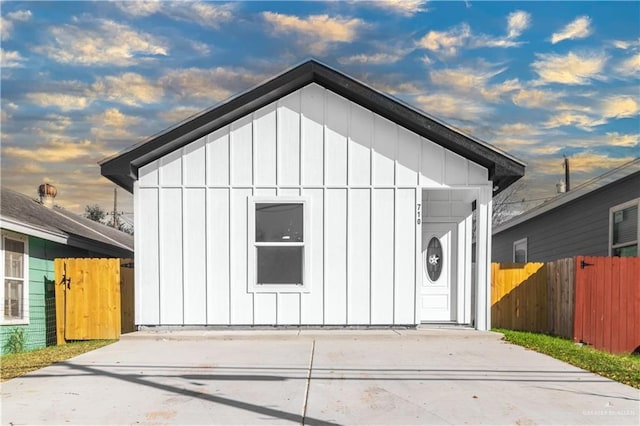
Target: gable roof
[(21, 213), (122, 169), (625, 171)]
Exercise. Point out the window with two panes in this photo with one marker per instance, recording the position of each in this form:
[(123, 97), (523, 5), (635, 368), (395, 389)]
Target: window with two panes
[(14, 278), (624, 230), (279, 243)]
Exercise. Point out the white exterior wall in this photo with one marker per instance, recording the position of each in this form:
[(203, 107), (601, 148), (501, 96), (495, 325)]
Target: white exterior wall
[(362, 177)]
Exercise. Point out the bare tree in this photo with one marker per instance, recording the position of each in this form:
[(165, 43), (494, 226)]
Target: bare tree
[(509, 203)]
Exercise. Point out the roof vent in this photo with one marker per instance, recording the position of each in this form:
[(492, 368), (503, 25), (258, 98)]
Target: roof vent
[(561, 187), (47, 193)]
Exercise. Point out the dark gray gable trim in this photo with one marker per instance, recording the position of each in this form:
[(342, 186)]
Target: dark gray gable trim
[(123, 168)]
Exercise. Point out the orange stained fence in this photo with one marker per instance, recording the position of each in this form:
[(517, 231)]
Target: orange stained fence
[(607, 303), (519, 296)]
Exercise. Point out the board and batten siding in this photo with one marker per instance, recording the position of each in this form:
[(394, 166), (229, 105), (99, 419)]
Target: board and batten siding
[(361, 176)]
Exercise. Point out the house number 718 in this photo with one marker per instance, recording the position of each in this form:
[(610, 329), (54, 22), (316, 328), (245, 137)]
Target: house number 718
[(418, 213)]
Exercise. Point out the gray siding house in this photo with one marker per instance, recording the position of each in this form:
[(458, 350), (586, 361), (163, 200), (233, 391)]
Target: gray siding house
[(598, 218)]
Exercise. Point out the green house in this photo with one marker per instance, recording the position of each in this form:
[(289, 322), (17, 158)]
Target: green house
[(34, 233)]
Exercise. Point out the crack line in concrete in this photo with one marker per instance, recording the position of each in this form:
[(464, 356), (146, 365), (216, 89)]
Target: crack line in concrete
[(308, 384)]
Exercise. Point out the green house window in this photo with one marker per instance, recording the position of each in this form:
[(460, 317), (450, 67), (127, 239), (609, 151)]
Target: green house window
[(14, 273)]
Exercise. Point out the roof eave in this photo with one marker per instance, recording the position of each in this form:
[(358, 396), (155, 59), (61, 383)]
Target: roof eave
[(125, 182), (72, 240), (123, 169), (99, 247), (21, 227)]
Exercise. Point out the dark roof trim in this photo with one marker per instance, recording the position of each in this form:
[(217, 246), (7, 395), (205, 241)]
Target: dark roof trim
[(122, 169)]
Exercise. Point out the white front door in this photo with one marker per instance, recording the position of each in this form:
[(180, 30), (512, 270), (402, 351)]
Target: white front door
[(438, 293)]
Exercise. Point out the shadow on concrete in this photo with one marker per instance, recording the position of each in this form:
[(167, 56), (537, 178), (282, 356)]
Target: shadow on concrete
[(341, 374), (279, 414), (331, 369), (589, 393)]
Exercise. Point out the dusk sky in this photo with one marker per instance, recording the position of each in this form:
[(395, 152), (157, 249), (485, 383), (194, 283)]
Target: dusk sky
[(82, 81)]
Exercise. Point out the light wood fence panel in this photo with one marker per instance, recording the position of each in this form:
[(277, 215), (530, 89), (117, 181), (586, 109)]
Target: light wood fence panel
[(519, 296), (87, 299)]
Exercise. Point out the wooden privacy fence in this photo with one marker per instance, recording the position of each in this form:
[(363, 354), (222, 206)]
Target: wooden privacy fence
[(535, 297), (607, 313), (519, 296), (560, 297), (94, 298), (595, 300), (127, 296)]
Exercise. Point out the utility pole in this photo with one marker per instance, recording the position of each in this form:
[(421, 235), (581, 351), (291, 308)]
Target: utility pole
[(115, 208), (566, 174)]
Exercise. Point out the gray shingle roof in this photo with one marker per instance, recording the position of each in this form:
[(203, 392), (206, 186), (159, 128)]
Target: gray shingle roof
[(586, 188), (76, 230)]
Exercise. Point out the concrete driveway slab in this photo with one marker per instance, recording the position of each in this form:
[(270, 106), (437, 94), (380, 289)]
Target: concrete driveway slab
[(458, 377), (424, 376), (166, 382)]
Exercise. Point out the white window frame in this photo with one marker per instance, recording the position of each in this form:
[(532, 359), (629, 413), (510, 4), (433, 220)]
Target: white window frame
[(615, 209), (6, 235), (252, 246), (526, 249)]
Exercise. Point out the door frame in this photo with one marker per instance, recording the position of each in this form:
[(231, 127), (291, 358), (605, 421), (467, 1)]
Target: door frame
[(467, 274), (451, 227)]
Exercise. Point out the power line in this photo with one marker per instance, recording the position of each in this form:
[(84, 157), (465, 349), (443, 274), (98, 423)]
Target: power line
[(526, 201)]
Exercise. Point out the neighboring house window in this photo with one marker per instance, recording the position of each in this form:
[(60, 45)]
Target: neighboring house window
[(623, 229), (279, 243), (520, 251), (15, 269)]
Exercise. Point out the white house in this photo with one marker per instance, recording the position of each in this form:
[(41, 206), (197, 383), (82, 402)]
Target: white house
[(315, 200)]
